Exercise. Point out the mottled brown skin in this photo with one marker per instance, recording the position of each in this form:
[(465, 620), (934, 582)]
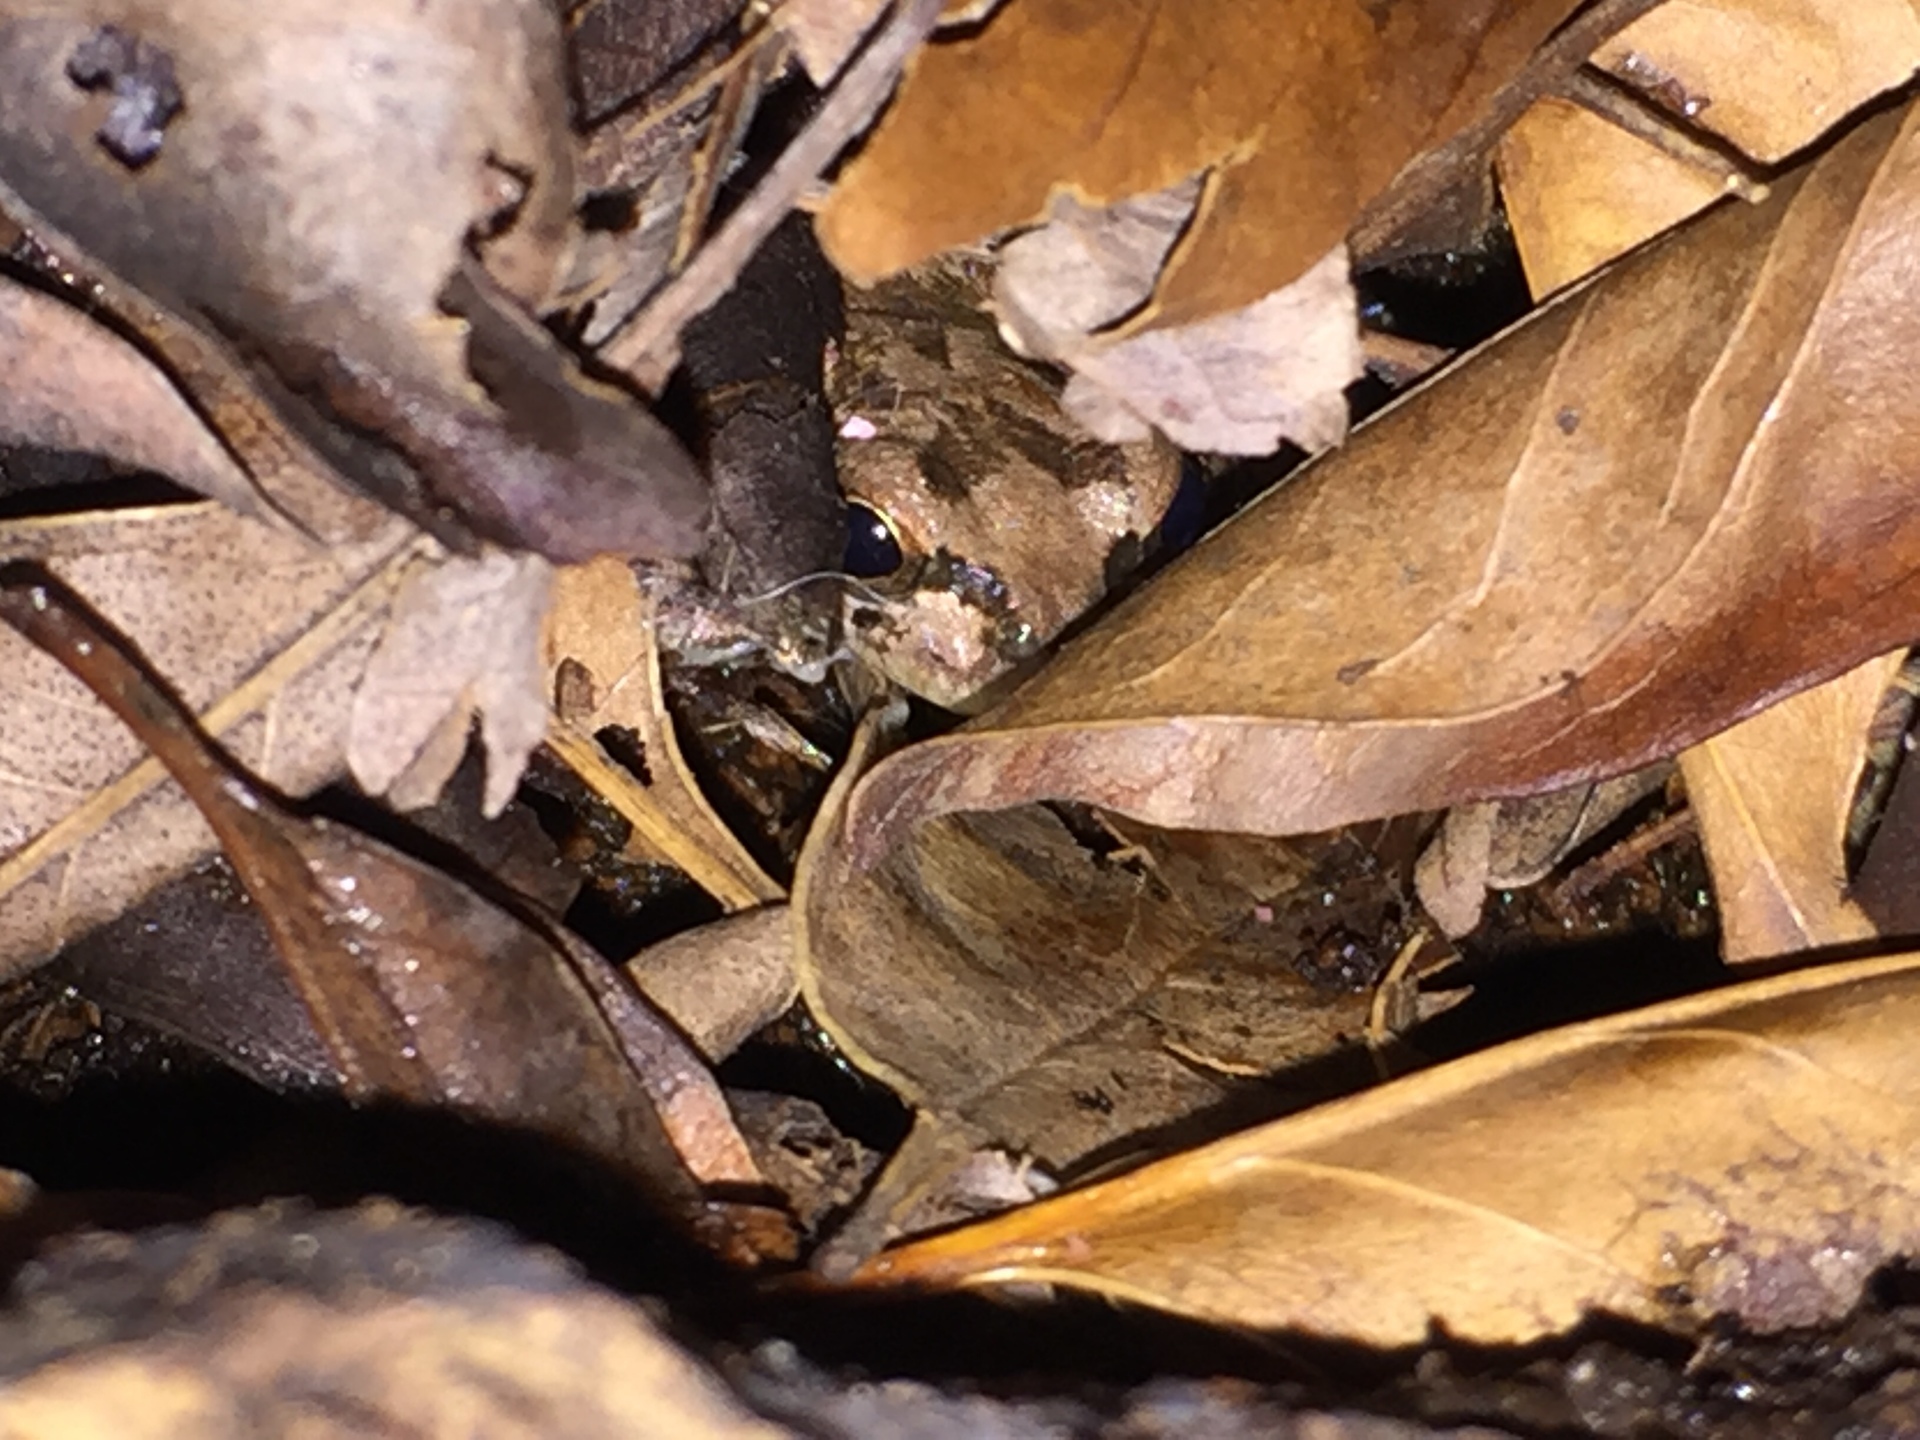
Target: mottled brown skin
[(1008, 516)]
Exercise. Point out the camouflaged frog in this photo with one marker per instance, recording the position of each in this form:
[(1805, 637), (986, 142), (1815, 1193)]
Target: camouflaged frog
[(1008, 522)]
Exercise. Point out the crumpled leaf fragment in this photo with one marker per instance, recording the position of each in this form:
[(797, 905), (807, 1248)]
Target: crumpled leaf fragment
[(1234, 384), (465, 640)]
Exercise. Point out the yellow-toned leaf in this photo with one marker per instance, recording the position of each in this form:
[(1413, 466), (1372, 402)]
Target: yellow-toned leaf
[(1772, 796), (1751, 1153)]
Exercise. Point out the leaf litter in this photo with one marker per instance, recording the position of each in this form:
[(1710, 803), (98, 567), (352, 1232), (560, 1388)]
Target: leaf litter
[(1569, 557)]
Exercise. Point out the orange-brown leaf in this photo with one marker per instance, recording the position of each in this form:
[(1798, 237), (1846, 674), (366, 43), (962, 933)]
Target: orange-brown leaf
[(1302, 112)]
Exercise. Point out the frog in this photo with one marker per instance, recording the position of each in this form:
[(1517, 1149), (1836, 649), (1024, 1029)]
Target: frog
[(1008, 521)]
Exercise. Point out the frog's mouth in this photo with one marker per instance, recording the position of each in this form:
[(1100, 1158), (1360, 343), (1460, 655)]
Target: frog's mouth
[(1010, 635)]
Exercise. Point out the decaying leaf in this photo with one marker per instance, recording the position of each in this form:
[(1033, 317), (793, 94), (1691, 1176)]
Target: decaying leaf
[(1768, 76), (823, 33), (75, 385), (724, 980), (422, 991), (464, 641), (1773, 796), (317, 247), (1661, 503), (273, 642), (1301, 115), (1499, 844), (647, 347), (1751, 1153), (1581, 189), (1581, 192)]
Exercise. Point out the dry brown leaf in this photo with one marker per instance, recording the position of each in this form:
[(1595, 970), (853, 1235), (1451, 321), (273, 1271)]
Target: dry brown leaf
[(824, 33), (317, 248), (270, 639), (647, 347), (1234, 384), (1772, 797), (1504, 844), (722, 981), (1655, 507), (1748, 1153), (605, 671), (1302, 115), (1581, 191), (464, 641)]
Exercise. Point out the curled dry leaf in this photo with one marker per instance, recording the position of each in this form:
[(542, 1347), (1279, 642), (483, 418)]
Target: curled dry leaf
[(1752, 1153), (1302, 114), (316, 243), (423, 991), (1021, 990), (1666, 500), (1772, 797)]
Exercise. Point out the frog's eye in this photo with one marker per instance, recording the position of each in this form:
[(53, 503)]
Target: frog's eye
[(873, 549)]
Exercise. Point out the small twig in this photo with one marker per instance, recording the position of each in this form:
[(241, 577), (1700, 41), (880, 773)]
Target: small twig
[(733, 113), (1581, 883), (647, 347), (1432, 175), (1628, 110)]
